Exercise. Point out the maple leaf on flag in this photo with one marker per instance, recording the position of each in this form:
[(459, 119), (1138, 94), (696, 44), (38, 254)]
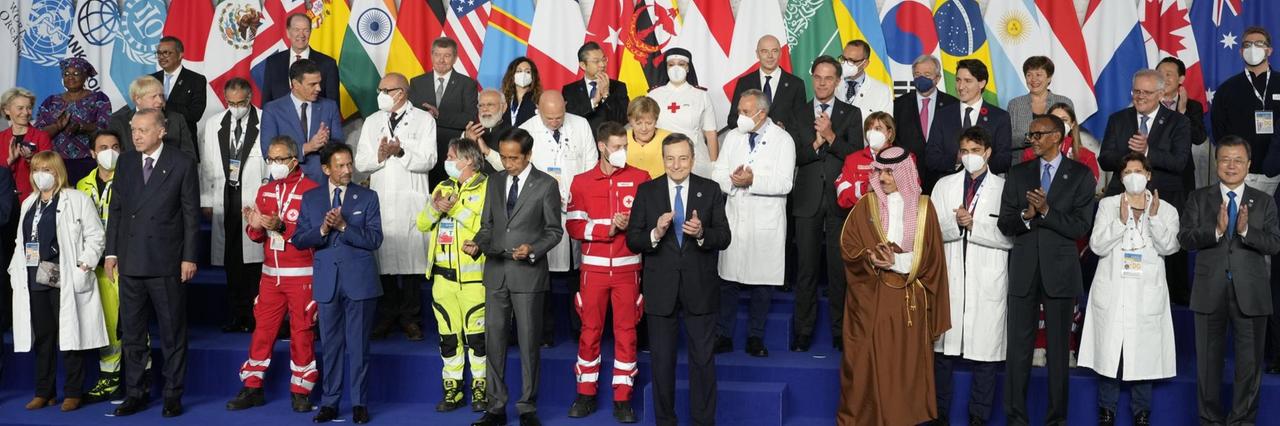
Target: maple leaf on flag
[(1163, 25)]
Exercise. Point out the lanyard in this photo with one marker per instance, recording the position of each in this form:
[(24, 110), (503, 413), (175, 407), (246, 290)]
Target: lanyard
[(1265, 87), (514, 111), (35, 219), (104, 197), (284, 201)]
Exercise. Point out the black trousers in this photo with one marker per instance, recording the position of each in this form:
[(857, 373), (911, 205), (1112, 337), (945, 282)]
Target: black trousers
[(573, 279), (818, 239), (982, 389), (45, 306), (401, 301), (1024, 318), (242, 278), (700, 331), (168, 296), (1211, 342), (1273, 321)]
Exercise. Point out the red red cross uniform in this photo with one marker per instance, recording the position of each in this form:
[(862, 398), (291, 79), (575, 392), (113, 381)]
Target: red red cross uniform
[(610, 275), (285, 287)]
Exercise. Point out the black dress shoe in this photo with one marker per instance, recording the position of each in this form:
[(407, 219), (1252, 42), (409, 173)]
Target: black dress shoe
[(801, 343), (1106, 417), (723, 345), (975, 421), (1273, 368), (490, 419), (413, 332), (326, 414), (172, 408), (583, 406), (530, 419), (755, 347), (623, 413), (381, 331), (301, 403), (1142, 418), (247, 398), (360, 414), (130, 406), (837, 343)]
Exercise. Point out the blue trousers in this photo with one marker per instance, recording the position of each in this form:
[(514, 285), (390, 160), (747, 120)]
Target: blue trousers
[(345, 325)]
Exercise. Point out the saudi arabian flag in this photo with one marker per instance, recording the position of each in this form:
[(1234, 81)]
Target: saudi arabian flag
[(811, 32), (364, 52)]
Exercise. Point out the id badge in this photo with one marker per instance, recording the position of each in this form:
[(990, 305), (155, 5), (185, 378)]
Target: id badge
[(233, 166), (277, 241), (554, 172), (1264, 122), (447, 230), (32, 251), (1131, 265)]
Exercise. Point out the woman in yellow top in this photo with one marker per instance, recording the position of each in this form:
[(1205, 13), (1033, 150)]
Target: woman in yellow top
[(644, 140)]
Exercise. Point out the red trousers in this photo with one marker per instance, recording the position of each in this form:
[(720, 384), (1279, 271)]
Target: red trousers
[(268, 311), (600, 290)]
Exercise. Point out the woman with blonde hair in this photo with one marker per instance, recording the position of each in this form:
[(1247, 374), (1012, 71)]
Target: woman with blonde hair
[(23, 139), (642, 132), (56, 305)]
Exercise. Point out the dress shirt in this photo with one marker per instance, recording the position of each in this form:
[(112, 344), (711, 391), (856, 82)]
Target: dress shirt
[(435, 80), (973, 115), (297, 112), (332, 187), (173, 79), (154, 156), (1053, 173), (654, 236), (1240, 202), (293, 56), (844, 88), (773, 82), (933, 107), (524, 180)]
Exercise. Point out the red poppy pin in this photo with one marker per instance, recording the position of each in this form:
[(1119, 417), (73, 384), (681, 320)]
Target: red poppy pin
[(982, 111)]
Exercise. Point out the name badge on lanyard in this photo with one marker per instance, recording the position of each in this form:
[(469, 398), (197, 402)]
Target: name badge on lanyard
[(446, 233), (1263, 119), (233, 171), (32, 251), (1131, 264), (277, 241)]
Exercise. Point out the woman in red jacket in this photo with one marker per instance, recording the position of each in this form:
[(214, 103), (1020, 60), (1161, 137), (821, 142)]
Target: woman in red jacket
[(21, 138), (855, 178)]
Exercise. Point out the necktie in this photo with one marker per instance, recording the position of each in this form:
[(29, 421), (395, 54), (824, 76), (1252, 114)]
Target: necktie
[(968, 122), (851, 91), (439, 90), (678, 219), (395, 122), (592, 92), (236, 141), (824, 107), (306, 124), (751, 141), (148, 165), (924, 118), (168, 85), (1046, 178), (1142, 127), (513, 194), (1232, 213), (768, 90), (337, 198), (555, 135), (296, 58)]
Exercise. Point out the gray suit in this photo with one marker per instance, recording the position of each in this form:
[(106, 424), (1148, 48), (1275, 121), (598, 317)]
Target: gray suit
[(1020, 119), (1232, 285), (517, 285)]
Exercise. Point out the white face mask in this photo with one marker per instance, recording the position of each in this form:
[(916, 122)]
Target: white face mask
[(972, 162), (848, 70), (876, 139), (618, 158), (677, 74), (1066, 128), (1135, 183), (1254, 55), (107, 159), (746, 123), (522, 79), (44, 180), (277, 171), (385, 102), (238, 112)]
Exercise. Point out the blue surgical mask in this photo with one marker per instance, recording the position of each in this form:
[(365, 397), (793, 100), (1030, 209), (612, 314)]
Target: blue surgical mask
[(451, 169), (923, 84)]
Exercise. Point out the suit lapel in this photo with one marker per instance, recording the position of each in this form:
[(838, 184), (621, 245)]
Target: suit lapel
[(224, 142), (1162, 115), (159, 173), (523, 197), (1062, 178)]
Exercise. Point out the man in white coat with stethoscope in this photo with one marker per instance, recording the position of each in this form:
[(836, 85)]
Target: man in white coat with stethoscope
[(563, 147), (756, 168), (231, 170), (968, 205), (397, 149)]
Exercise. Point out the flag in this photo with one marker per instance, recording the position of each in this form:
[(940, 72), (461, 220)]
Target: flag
[(93, 39), (418, 22), (811, 32), (1116, 52), (506, 39), (466, 23), (365, 50), (269, 40), (706, 32), (651, 26), (1219, 27), (187, 20), (605, 27), (962, 35), (233, 36), (11, 21), (1016, 32), (555, 24), (45, 35), (909, 32), (142, 25), (859, 20), (1167, 31), (329, 23), (1072, 75), (763, 17)]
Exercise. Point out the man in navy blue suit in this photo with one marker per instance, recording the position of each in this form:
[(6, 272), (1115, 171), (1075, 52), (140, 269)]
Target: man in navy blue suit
[(286, 116), (276, 77), (341, 221), (953, 119)]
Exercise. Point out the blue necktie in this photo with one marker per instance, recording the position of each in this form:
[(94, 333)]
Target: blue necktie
[(678, 222), (751, 141), (512, 194), (851, 91), (1046, 178), (337, 198), (768, 89), (1142, 127), (1233, 212), (555, 136), (168, 85), (591, 94), (824, 107)]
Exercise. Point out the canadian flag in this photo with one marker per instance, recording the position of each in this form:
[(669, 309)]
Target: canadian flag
[(555, 23), (1166, 25)]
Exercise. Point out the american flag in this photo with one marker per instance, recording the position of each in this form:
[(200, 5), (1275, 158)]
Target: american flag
[(466, 23)]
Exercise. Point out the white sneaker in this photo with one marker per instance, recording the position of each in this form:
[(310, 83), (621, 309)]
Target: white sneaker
[(1039, 358)]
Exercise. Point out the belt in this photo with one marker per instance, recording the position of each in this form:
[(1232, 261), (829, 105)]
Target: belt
[(448, 273)]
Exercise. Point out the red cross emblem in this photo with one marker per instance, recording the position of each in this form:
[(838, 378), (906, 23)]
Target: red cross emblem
[(673, 107)]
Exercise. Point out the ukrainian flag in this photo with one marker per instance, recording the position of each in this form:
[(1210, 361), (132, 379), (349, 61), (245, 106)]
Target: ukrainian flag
[(506, 39), (859, 20)]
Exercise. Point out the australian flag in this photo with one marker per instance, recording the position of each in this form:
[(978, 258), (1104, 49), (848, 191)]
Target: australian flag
[(1219, 26)]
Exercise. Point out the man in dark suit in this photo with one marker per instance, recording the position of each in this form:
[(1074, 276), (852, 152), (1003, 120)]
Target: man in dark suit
[(1175, 98), (1232, 226), (343, 223), (1046, 206), (519, 226), (678, 223), (596, 97), (152, 244), (954, 119), (829, 130), (277, 77), (184, 89), (286, 116), (147, 92), (449, 96), (915, 114), (784, 91), (1160, 133)]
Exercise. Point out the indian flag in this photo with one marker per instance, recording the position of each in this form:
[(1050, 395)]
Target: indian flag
[(365, 50)]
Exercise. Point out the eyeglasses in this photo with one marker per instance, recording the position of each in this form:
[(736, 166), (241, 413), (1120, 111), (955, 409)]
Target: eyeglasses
[(851, 61), (243, 103), (1232, 161), (1037, 135), (1144, 93), (166, 53), (1260, 43), (389, 91), (280, 160), (73, 73)]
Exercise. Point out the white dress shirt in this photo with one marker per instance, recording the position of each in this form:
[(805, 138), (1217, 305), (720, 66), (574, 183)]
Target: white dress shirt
[(154, 156), (654, 236), (773, 82), (1240, 203), (524, 178), (294, 56), (973, 114), (172, 78)]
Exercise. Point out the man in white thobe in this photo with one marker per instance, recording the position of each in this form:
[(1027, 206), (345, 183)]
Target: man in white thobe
[(756, 169), (397, 149)]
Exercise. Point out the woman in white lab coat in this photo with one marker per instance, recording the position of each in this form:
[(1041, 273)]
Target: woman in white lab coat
[(1128, 329)]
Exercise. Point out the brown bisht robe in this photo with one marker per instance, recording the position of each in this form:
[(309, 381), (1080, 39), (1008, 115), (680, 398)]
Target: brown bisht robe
[(890, 324)]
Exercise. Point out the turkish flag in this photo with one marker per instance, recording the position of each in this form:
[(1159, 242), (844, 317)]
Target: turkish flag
[(605, 27), (189, 21)]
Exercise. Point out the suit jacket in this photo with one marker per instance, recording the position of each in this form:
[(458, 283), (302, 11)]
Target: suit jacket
[(276, 76), (187, 96), (816, 171), (788, 97), (1048, 243), (342, 258), (280, 117), (154, 225), (1195, 124), (940, 158), (1241, 256), (457, 106), (1168, 149), (534, 221), (672, 272), (528, 109), (614, 107), (176, 133), (906, 118)]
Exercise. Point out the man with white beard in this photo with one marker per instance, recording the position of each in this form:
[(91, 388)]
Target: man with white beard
[(485, 131)]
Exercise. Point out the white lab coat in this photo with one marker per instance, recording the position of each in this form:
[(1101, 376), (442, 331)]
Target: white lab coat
[(872, 96), (81, 239), (573, 155), (1130, 315), (757, 214), (977, 268), (213, 181), (402, 185)]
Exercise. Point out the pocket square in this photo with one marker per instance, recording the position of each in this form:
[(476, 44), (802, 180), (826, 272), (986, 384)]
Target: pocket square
[(357, 213)]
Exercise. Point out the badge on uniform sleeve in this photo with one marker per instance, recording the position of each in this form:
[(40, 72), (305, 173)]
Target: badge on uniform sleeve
[(1264, 122), (627, 200)]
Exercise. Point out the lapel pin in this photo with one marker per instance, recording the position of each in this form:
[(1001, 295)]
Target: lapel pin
[(355, 197), (699, 195)]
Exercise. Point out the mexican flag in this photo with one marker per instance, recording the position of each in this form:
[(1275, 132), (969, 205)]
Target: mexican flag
[(364, 52), (811, 32)]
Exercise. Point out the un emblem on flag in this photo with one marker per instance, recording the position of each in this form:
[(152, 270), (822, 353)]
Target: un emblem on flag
[(48, 32), (97, 21), (238, 24), (374, 26)]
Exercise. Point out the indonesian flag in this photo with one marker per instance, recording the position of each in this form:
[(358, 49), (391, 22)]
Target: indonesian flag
[(762, 18), (1167, 31), (555, 24)]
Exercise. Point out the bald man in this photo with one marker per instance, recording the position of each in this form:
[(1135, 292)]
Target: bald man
[(784, 91)]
